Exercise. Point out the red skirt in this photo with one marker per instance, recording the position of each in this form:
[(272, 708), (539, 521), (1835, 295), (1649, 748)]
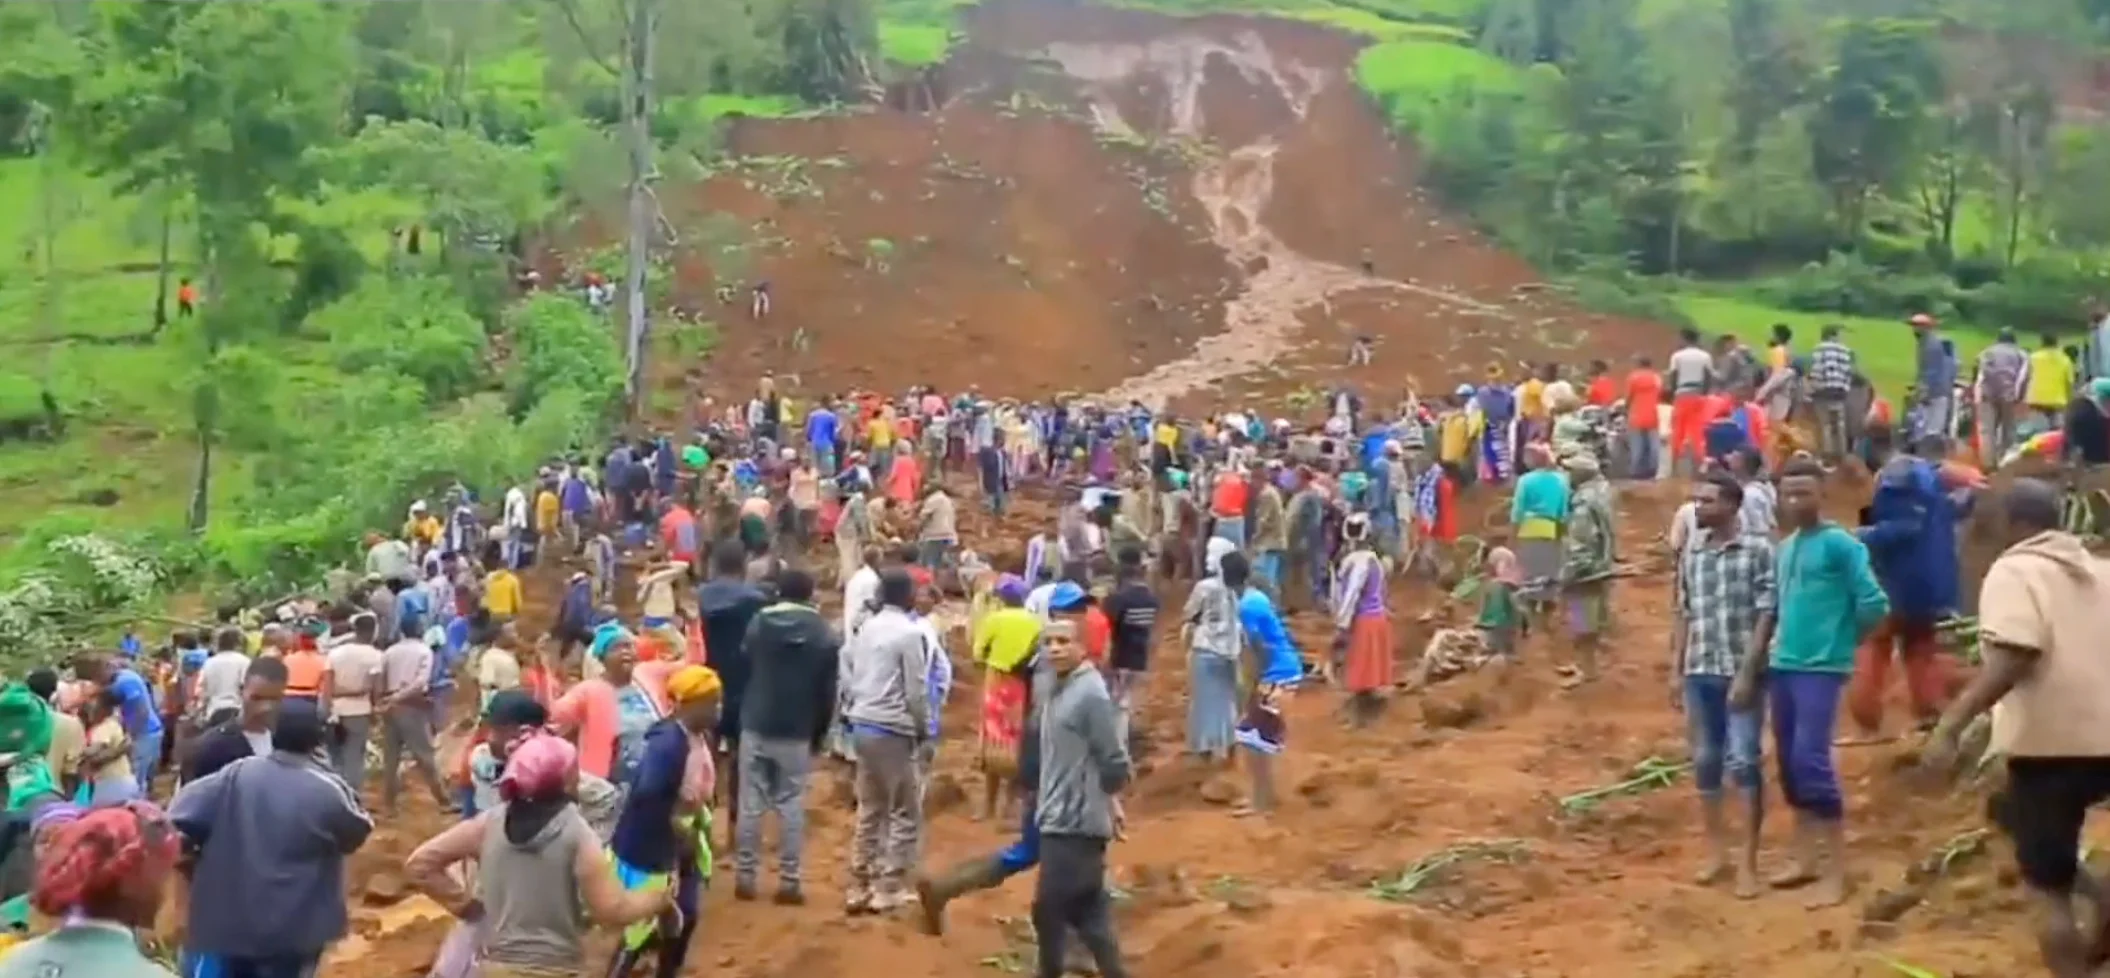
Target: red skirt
[(1370, 654), (1003, 722)]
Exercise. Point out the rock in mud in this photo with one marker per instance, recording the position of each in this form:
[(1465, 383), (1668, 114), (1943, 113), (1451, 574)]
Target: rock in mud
[(1220, 790), (1247, 900), (1440, 711), (385, 889), (1889, 905)]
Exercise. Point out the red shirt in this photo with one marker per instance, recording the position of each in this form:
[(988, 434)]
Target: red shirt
[(1603, 391), (1228, 499), (1644, 400), (670, 533), (1098, 635)]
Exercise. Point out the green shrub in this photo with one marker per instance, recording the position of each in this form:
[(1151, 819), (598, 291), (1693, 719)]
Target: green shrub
[(1850, 285), (414, 327), (560, 344)]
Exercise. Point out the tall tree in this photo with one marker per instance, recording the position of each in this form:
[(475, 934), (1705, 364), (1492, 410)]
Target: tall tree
[(1871, 106), (224, 101)]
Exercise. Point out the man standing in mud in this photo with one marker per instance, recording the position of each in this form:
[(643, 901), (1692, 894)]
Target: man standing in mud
[(1084, 766), (1828, 602), (2044, 607), (1723, 612)]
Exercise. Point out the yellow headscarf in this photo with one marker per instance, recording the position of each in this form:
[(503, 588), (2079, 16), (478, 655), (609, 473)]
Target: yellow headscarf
[(692, 683)]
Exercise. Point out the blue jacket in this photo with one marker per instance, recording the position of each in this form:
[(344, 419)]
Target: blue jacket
[(644, 832), (1911, 539)]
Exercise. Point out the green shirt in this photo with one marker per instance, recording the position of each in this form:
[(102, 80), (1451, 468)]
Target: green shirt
[(91, 950), (1828, 600)]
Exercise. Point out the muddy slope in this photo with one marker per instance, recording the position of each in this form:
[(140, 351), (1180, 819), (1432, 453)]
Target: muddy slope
[(1114, 202)]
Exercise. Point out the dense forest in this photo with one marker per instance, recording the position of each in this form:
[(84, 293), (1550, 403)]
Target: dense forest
[(1875, 157), (262, 285)]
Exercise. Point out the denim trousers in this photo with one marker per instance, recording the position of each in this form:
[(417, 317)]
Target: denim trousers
[(1722, 740)]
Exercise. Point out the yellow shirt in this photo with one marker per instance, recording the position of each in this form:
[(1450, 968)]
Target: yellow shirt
[(881, 432), (502, 593), (1006, 638), (1167, 435), (425, 529), (546, 512), (2050, 380), (1531, 398), (1777, 357), (1454, 437)]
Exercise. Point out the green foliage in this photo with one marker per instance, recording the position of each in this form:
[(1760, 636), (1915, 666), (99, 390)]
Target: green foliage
[(1741, 138), (915, 45), (466, 186), (411, 327), (560, 345)]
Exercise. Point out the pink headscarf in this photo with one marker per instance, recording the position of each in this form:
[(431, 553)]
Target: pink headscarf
[(538, 767)]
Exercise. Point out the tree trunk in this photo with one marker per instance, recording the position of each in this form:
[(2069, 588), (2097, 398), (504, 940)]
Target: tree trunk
[(637, 106), (201, 488), (161, 268)]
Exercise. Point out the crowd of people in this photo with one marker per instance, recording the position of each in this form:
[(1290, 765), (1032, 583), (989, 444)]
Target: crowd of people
[(683, 685)]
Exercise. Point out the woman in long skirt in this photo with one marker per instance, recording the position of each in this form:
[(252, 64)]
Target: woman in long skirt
[(1003, 646), (1362, 622), (1213, 640)]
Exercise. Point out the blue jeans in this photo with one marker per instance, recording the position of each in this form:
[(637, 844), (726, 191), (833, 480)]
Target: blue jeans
[(1805, 709), (1644, 453), (1024, 854), (1269, 570), (146, 761), (1232, 529), (1385, 525), (1720, 738)]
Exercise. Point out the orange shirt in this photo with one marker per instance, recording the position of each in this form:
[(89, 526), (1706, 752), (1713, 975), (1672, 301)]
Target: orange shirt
[(1644, 400), (1228, 499), (304, 668), (1602, 391)]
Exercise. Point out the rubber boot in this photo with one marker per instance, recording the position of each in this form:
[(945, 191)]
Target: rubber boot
[(961, 878)]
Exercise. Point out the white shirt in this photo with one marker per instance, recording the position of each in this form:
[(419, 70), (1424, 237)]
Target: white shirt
[(220, 681), (355, 671), (1690, 369), (1213, 556), (858, 595), (516, 508)]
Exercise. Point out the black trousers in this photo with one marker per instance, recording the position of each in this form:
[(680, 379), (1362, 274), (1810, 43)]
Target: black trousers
[(1071, 894)]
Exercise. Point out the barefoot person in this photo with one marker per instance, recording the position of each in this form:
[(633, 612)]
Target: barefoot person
[(2044, 607), (1725, 595), (1276, 669), (1828, 601)]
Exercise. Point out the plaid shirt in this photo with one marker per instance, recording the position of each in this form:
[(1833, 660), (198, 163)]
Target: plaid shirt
[(1722, 593), (1831, 367)]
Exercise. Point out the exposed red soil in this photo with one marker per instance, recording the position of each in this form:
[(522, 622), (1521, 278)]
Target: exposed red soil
[(1481, 757)]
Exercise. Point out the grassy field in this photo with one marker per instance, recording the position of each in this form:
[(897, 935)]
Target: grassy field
[(1884, 347), (126, 405)]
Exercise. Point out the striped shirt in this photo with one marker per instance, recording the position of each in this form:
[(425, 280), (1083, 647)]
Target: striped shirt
[(1831, 367), (1723, 591)]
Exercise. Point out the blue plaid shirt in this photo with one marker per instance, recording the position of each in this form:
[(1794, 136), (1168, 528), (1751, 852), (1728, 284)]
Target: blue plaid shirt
[(1723, 591)]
